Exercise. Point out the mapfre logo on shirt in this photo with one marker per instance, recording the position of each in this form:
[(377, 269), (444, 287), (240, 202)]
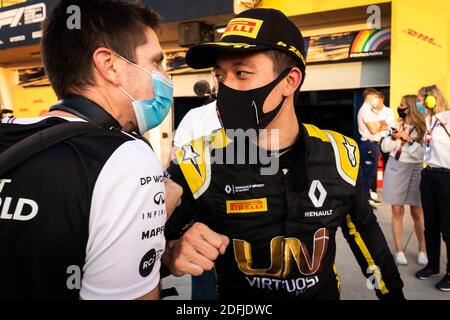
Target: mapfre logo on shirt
[(246, 206), (244, 27)]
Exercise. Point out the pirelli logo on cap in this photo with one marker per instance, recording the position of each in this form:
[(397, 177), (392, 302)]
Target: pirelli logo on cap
[(246, 206), (244, 27)]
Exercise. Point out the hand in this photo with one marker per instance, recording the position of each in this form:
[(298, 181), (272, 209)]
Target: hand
[(405, 137), (173, 196), (396, 135), (195, 252), (384, 125)]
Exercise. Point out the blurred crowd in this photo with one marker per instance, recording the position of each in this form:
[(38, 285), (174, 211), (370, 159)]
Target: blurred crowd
[(415, 149)]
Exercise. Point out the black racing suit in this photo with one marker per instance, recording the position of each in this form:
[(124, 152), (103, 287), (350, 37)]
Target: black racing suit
[(282, 227)]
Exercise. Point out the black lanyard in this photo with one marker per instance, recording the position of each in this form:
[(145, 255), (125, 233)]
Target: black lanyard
[(430, 132), (432, 126), (92, 113), (87, 110), (410, 131), (400, 150)]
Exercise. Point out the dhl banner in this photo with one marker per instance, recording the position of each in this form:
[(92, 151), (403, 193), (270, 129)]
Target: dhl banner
[(420, 47)]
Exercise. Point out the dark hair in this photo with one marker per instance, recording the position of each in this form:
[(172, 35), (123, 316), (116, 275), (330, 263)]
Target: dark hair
[(5, 111), (119, 25), (381, 95), (282, 61), (369, 91)]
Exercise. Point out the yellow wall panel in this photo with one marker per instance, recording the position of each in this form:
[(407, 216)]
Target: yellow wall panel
[(7, 3), (26, 102), (32, 102), (420, 52)]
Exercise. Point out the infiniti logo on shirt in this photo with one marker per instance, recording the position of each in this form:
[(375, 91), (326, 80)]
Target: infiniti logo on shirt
[(159, 198)]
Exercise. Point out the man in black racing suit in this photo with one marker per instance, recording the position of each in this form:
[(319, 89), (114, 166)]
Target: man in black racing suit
[(270, 233)]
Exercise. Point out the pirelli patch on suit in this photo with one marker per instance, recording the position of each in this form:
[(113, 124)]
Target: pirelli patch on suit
[(246, 206)]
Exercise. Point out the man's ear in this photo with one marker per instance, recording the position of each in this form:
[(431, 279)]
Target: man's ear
[(294, 79), (106, 64)]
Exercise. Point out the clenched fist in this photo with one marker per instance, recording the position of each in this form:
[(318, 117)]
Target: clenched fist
[(195, 252)]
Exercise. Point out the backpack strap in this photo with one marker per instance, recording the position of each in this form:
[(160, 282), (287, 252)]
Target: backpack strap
[(40, 141)]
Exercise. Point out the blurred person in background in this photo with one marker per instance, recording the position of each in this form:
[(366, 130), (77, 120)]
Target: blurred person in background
[(368, 96), (203, 286), (402, 175), (435, 183), (372, 125), (6, 113), (420, 102), (386, 114)]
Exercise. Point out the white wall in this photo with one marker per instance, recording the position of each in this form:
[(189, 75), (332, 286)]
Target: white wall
[(350, 75)]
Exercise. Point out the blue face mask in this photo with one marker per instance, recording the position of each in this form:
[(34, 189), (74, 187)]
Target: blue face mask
[(150, 113), (422, 109)]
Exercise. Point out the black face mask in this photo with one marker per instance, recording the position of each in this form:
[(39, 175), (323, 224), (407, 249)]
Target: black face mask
[(402, 113), (244, 109)]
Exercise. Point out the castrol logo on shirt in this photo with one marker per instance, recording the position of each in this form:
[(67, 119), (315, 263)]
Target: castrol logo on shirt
[(20, 209)]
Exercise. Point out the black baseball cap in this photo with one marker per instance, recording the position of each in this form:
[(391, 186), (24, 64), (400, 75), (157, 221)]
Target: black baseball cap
[(252, 30)]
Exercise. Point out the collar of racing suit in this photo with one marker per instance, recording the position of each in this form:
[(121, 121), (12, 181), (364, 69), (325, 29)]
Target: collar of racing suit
[(299, 175), (297, 164)]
